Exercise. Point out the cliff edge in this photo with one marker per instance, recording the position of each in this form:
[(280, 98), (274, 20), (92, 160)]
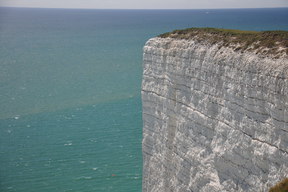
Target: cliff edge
[(215, 111)]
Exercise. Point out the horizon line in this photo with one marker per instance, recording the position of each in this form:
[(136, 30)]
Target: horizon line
[(83, 8)]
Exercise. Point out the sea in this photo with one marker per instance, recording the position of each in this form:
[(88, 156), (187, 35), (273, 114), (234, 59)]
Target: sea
[(70, 91)]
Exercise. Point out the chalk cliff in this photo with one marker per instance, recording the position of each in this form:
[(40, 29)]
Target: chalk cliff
[(215, 115)]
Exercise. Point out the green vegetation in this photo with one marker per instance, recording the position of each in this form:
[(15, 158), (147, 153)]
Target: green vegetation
[(266, 42), (282, 186)]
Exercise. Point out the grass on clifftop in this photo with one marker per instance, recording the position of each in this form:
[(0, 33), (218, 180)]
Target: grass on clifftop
[(281, 186), (266, 42)]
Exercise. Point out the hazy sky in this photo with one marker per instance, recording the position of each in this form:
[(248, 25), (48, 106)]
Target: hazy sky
[(145, 4)]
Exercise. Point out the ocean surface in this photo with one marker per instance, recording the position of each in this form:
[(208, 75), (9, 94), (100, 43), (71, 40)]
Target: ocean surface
[(70, 102)]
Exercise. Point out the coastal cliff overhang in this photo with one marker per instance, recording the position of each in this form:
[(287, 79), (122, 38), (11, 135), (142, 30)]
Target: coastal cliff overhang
[(265, 43)]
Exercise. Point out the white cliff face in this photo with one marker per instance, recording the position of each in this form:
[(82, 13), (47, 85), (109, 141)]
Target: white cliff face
[(214, 119)]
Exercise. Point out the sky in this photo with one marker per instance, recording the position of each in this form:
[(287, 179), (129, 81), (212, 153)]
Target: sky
[(145, 4)]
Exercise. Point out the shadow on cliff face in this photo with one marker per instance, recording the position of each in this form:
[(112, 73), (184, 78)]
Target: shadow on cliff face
[(233, 167)]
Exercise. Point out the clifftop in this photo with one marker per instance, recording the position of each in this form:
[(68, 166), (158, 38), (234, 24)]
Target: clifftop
[(273, 43)]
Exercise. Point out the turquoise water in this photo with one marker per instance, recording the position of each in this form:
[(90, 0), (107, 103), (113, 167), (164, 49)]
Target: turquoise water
[(78, 149), (70, 82)]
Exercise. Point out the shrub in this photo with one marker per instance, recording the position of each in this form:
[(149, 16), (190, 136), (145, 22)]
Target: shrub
[(282, 186)]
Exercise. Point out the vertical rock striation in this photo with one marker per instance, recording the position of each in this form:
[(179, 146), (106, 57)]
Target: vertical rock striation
[(215, 119)]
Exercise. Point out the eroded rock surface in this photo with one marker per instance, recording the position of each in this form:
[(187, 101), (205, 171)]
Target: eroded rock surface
[(215, 119)]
